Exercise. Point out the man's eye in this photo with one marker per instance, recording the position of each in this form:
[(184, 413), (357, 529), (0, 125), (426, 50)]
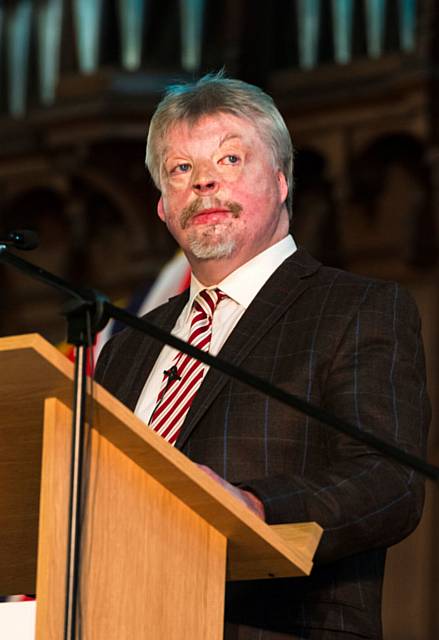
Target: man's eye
[(230, 159), (183, 167)]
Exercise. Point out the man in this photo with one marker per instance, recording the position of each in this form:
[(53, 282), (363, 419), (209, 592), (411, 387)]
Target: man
[(221, 155)]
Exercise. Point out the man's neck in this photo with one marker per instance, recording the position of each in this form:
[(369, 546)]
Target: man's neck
[(211, 272)]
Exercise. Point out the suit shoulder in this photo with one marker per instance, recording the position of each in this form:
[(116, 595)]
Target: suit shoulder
[(333, 274), (306, 266), (355, 290)]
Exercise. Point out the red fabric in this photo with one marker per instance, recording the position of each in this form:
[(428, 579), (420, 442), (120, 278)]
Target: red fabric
[(185, 283)]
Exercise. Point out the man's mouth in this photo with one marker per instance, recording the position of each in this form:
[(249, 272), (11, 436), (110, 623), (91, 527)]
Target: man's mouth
[(213, 215), (195, 213)]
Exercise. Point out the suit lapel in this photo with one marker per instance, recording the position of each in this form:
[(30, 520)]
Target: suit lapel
[(164, 317), (287, 283)]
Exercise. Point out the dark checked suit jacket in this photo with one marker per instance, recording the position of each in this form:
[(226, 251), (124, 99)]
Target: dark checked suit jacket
[(348, 344)]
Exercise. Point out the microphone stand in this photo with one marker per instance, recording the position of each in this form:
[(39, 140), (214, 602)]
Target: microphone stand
[(87, 312), (85, 317)]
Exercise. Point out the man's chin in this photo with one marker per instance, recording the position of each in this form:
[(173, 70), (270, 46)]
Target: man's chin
[(210, 248)]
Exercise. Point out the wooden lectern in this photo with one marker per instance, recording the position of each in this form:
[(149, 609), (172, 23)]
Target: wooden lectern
[(160, 537)]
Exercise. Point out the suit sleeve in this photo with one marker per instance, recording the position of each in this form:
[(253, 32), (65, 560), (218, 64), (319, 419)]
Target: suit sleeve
[(376, 381)]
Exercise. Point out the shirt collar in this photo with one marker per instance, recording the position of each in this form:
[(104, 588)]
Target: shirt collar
[(243, 284)]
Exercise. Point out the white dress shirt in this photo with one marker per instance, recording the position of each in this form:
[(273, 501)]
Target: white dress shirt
[(241, 286)]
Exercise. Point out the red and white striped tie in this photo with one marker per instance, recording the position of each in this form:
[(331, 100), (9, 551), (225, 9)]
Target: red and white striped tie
[(179, 389)]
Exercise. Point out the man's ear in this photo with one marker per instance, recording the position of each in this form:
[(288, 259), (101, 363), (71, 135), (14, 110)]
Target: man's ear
[(161, 209), (283, 186)]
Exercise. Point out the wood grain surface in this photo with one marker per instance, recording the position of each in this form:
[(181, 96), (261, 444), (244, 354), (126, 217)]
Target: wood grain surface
[(31, 370)]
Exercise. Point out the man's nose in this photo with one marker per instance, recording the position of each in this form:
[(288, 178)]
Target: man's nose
[(205, 181)]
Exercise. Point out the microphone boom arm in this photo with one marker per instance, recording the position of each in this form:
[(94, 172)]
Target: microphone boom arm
[(102, 310)]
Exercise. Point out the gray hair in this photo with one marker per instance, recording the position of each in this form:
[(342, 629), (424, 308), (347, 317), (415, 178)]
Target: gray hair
[(215, 94)]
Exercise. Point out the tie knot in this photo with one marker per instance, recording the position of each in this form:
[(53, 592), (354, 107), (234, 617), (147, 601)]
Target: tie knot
[(208, 299)]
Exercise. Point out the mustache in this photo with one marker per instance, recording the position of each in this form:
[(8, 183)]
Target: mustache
[(200, 204)]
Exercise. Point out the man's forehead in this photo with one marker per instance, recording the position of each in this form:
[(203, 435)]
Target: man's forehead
[(215, 129), (230, 124)]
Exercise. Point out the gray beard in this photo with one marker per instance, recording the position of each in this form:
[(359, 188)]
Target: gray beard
[(204, 246)]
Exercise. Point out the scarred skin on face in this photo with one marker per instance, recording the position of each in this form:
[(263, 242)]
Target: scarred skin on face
[(223, 198)]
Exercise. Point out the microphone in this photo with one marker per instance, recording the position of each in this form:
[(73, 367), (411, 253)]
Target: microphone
[(23, 239), (172, 374)]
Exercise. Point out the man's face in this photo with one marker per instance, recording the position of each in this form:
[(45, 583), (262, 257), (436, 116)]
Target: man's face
[(222, 197)]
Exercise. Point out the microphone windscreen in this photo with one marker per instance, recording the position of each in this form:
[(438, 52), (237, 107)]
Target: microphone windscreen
[(24, 239)]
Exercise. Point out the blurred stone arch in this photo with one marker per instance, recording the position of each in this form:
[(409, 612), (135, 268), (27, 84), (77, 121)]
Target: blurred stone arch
[(389, 225)]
